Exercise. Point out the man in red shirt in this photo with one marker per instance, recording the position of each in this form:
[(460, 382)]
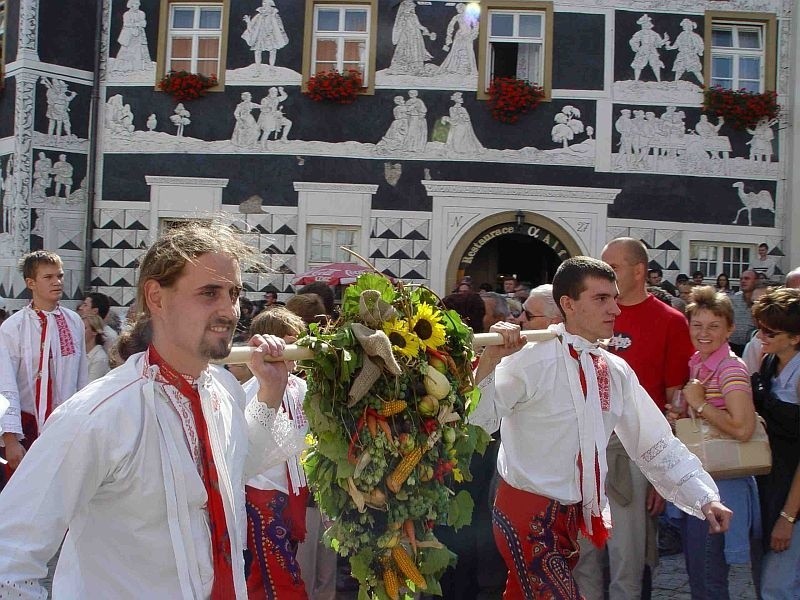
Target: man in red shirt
[(653, 338)]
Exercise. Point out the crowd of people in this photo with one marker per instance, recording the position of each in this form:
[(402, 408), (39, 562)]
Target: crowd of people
[(156, 472)]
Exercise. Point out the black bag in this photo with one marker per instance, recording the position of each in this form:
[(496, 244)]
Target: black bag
[(782, 418)]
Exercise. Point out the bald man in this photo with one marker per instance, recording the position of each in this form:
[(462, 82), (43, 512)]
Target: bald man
[(653, 339)]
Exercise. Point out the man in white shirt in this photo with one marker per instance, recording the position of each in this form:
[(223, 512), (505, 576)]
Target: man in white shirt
[(556, 403), (144, 469), (44, 351), (95, 303), (764, 265)]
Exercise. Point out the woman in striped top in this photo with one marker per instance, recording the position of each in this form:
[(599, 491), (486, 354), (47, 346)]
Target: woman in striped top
[(719, 393)]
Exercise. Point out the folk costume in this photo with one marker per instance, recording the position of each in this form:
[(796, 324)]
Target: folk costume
[(145, 470), (276, 512), (44, 363), (566, 396)]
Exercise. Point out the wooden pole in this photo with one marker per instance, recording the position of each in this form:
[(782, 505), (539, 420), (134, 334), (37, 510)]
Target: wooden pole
[(241, 354)]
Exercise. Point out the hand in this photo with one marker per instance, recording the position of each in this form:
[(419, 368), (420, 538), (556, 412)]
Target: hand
[(694, 393), (655, 503), (14, 450), (272, 376), (781, 535), (718, 516), (512, 341)]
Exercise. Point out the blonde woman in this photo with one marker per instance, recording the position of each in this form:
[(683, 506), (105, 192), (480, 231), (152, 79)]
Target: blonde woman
[(96, 355)]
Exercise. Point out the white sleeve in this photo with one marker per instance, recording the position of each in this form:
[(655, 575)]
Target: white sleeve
[(501, 390), (11, 421), (646, 435), (60, 475), (272, 438)]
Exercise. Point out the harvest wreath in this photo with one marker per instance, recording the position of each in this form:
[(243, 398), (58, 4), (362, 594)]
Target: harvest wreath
[(388, 391)]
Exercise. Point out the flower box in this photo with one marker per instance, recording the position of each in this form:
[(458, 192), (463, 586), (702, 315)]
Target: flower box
[(741, 109), (184, 86), (510, 97), (333, 86)]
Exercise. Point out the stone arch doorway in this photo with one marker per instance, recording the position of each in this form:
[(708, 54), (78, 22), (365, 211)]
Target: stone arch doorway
[(526, 245)]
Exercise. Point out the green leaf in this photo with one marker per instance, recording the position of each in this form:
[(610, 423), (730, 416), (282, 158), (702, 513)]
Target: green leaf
[(367, 281), (436, 560), (361, 564), (459, 511)]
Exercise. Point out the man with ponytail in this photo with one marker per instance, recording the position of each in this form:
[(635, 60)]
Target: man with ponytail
[(144, 469)]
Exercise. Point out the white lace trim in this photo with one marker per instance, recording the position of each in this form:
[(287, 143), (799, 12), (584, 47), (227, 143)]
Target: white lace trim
[(287, 437)]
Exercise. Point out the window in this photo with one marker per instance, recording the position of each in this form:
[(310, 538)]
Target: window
[(742, 51), (324, 244), (516, 41), (713, 258), (341, 38), (193, 37)]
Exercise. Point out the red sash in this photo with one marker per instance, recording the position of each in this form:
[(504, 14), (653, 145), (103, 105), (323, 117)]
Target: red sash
[(44, 355), (223, 587)]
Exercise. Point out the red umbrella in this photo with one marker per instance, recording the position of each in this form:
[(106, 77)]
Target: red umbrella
[(332, 274)]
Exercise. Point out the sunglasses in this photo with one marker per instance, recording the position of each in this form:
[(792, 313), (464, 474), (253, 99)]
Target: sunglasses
[(530, 316), (770, 333)]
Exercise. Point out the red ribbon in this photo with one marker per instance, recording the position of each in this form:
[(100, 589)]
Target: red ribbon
[(223, 587)]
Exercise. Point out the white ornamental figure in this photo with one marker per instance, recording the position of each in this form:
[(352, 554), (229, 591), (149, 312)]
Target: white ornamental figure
[(568, 124), (180, 119), (461, 138), (62, 172), (398, 130), (245, 132), (690, 48), (152, 122), (645, 44), (271, 120), (42, 176), (408, 34), (462, 30), (761, 142), (417, 136), (264, 32), (133, 54), (118, 116), (751, 200), (58, 99), (9, 191)]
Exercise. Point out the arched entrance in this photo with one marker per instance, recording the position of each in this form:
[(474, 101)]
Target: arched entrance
[(524, 245)]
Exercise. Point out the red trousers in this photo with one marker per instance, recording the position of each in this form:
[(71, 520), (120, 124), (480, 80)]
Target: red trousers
[(272, 537), (538, 539)]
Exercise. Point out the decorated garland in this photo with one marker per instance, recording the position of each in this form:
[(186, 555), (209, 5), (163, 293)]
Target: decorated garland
[(388, 392)]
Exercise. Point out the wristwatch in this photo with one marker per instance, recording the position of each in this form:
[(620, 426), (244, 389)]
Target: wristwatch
[(702, 407), (788, 517)]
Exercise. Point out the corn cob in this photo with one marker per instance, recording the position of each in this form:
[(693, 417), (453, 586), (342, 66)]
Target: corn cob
[(391, 582), (392, 407), (401, 472), (408, 568)]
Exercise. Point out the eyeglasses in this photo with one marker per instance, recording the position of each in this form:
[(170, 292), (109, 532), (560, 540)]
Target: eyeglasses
[(770, 333), (530, 316)]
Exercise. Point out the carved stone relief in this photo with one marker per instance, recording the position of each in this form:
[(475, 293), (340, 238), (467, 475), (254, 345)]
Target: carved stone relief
[(53, 183), (132, 63), (59, 123), (761, 200)]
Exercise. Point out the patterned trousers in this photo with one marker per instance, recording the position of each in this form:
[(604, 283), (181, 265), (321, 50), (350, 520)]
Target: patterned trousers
[(537, 538), (272, 540)]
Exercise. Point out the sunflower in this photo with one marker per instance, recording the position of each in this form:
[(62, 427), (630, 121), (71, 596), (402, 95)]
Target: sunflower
[(403, 340), (427, 325)]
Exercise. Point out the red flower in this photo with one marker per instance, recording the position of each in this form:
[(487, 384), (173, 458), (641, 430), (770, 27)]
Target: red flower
[(334, 86), (186, 86), (510, 97), (740, 108)]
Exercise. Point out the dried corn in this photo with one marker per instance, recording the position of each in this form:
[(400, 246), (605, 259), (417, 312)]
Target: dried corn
[(392, 407), (401, 472), (408, 568), (391, 582)]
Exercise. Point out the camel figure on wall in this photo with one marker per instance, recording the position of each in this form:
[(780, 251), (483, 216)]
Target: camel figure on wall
[(751, 200)]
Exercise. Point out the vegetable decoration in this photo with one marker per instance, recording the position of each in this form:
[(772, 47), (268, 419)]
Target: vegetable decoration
[(388, 392)]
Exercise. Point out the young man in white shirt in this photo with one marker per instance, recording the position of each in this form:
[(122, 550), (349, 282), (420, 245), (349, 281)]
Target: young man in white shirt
[(144, 469), (556, 403), (46, 355)]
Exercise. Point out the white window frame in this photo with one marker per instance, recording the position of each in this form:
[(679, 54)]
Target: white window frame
[(195, 33), (721, 266), (737, 53), (336, 254), (515, 38), (341, 36)]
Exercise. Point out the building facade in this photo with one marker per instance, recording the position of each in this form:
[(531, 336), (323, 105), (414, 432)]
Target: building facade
[(416, 174)]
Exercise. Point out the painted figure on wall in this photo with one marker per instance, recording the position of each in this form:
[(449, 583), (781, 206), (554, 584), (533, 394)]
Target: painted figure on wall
[(408, 36), (58, 100), (461, 138), (62, 172), (118, 117), (133, 54), (271, 120), (462, 30), (761, 142), (568, 125), (265, 32), (690, 48), (417, 136), (42, 177), (396, 134), (645, 44), (750, 200), (180, 119), (245, 132), (9, 191)]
